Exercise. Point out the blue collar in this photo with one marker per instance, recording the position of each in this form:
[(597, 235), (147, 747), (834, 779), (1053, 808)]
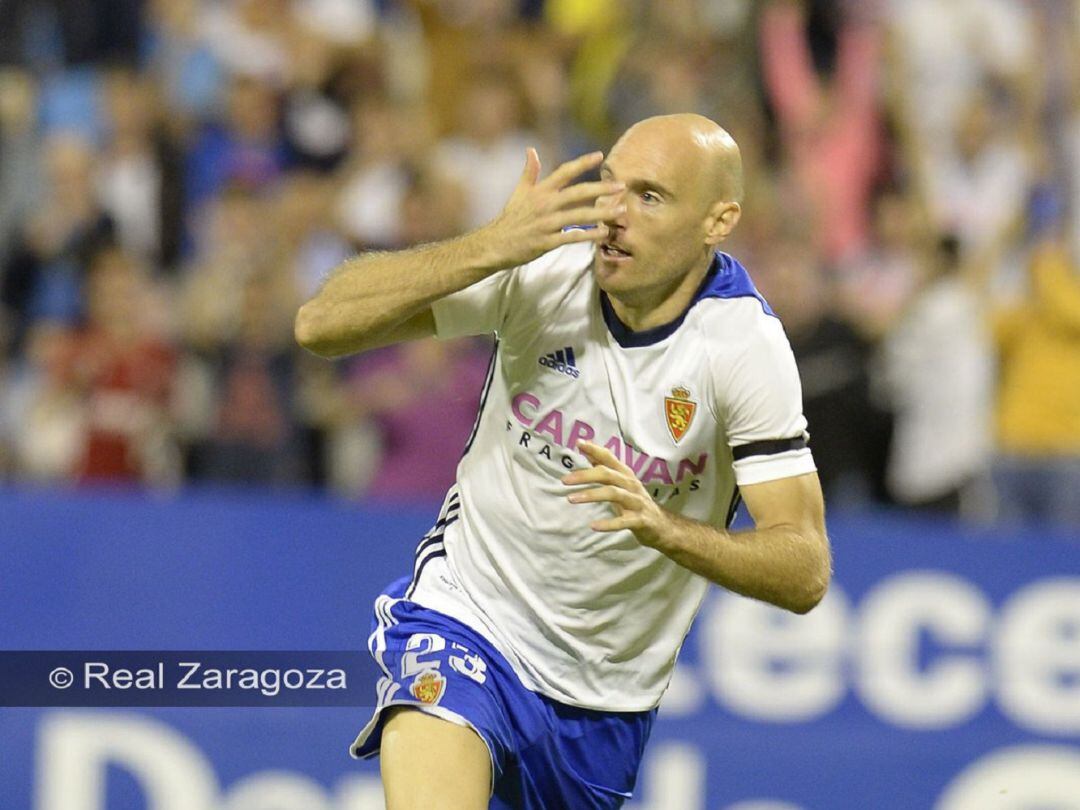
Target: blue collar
[(726, 278)]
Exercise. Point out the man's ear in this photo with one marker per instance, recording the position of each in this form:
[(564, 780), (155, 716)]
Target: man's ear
[(721, 221)]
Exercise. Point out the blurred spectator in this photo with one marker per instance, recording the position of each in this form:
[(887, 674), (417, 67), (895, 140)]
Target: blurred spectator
[(487, 150), (42, 415), (829, 129), (123, 372), (139, 178), (309, 244), (182, 62), (230, 247), (315, 115), (44, 272), (246, 148), (849, 433), (545, 81), (253, 434), (433, 206), (665, 70), (466, 39), (874, 284), (938, 370), (979, 189), (387, 138), (1037, 473), (423, 397)]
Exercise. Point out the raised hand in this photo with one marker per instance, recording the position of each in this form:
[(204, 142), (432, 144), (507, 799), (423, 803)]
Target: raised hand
[(535, 216)]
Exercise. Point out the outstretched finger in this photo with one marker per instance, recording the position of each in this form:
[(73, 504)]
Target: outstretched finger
[(593, 475), (602, 457), (588, 215), (572, 168), (609, 494), (627, 520), (580, 192)]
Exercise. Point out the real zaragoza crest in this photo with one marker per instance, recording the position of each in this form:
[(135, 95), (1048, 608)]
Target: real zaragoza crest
[(428, 686), (679, 411)]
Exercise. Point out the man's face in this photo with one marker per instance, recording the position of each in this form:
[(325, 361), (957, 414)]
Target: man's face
[(661, 237)]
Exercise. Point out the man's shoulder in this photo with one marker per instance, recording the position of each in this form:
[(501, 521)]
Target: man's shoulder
[(730, 281), (730, 310)]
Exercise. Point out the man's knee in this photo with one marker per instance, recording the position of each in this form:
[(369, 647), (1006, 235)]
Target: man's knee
[(432, 764)]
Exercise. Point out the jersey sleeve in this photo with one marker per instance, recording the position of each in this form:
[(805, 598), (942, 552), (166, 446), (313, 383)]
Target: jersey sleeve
[(477, 310), (523, 297), (762, 408)]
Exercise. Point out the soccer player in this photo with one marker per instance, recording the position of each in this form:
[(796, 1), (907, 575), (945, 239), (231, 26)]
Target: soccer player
[(639, 388)]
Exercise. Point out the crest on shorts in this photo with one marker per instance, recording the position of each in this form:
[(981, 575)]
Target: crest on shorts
[(428, 686), (679, 411)]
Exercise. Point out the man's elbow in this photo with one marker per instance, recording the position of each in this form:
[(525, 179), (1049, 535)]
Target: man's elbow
[(308, 332), (810, 597), (815, 584), (304, 325)]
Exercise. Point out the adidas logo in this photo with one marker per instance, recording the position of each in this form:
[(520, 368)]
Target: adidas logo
[(562, 361)]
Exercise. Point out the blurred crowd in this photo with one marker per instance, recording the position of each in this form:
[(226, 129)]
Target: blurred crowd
[(177, 176)]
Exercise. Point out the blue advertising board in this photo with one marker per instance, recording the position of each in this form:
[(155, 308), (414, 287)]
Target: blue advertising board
[(941, 672)]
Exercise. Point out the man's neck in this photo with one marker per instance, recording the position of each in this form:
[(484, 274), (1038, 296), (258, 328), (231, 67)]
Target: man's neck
[(661, 305)]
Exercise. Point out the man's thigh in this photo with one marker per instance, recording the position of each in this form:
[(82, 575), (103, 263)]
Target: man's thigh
[(433, 764)]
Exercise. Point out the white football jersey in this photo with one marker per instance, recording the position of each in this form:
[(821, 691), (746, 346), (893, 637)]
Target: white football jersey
[(696, 408)]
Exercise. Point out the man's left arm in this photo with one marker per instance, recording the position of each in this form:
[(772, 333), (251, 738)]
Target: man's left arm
[(785, 560)]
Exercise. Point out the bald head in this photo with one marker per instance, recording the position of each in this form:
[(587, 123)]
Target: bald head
[(682, 179), (701, 148)]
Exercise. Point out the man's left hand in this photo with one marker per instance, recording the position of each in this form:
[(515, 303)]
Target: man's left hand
[(613, 482)]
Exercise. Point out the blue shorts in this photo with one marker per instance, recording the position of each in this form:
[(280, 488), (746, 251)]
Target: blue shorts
[(544, 755)]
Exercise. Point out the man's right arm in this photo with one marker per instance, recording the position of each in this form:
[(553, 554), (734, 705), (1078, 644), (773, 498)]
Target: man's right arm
[(381, 298)]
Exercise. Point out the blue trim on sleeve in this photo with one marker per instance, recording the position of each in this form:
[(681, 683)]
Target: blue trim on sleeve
[(726, 278), (730, 280)]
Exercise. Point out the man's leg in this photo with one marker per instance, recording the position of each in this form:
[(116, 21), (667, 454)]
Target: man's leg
[(432, 764)]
